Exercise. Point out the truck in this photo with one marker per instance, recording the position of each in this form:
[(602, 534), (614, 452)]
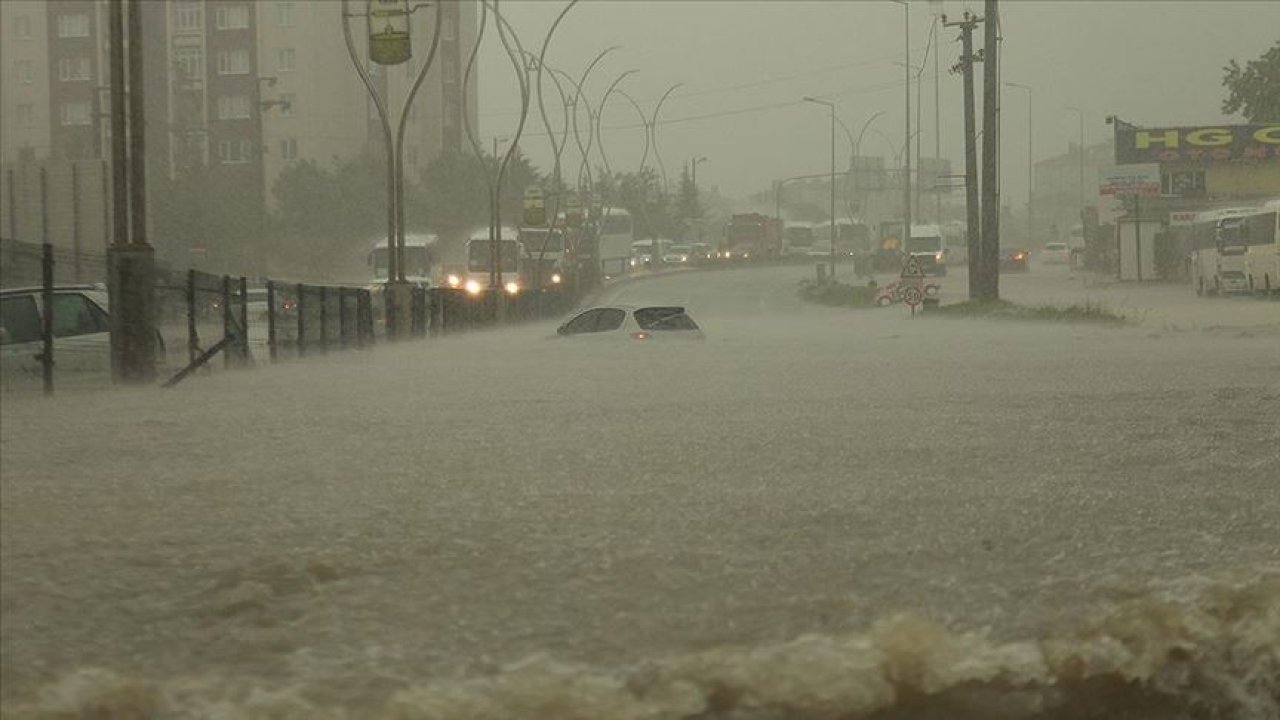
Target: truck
[(751, 235)]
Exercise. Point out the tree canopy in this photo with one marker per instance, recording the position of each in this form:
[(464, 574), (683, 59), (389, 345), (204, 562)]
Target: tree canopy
[(1254, 90)]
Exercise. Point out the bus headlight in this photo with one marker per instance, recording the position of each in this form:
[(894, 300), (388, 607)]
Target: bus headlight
[(512, 288), (473, 287), (555, 278), (454, 281)]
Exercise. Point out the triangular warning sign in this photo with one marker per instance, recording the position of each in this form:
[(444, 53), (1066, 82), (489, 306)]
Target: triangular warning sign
[(912, 268)]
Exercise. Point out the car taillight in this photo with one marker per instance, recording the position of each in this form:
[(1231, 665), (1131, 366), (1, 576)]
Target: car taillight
[(641, 335), (288, 303)]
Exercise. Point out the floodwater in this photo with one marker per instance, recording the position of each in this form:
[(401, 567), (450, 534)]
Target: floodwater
[(813, 514)]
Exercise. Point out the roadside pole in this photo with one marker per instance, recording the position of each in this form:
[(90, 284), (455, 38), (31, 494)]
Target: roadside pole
[(131, 259), (973, 230), (990, 264)]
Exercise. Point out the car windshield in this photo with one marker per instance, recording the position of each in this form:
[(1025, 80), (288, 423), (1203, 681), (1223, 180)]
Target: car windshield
[(789, 392)]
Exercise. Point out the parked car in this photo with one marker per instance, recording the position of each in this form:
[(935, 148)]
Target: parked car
[(637, 323), (81, 332), (1055, 253), (1014, 260)]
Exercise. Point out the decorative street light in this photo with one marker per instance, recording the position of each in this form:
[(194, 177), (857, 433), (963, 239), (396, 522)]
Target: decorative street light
[(389, 44), (832, 107)]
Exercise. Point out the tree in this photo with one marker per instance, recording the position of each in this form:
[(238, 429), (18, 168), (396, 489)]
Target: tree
[(1254, 90)]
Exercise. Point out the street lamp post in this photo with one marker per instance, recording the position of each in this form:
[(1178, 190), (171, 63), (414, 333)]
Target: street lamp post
[(906, 70), (1030, 164), (1080, 145), (389, 45), (832, 107), (694, 179)]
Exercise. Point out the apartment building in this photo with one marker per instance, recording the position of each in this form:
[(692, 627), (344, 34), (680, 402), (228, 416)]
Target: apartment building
[(242, 88)]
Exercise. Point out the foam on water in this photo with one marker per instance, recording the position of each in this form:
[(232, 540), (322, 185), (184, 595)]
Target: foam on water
[(1194, 649)]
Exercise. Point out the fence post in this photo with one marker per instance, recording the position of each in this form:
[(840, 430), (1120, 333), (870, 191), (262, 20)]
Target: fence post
[(46, 324), (244, 320), (227, 318), (324, 318), (193, 335), (302, 320), (271, 320), (343, 341)]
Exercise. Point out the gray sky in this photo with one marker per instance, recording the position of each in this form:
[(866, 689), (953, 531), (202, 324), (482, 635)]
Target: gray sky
[(1151, 62)]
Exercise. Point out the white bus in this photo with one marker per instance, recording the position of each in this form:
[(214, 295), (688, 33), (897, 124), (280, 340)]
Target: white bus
[(798, 237), (479, 272), (1262, 256), (614, 234), (419, 259), (1218, 252)]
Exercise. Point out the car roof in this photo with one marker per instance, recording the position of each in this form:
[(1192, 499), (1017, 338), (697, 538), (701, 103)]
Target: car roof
[(632, 308), (56, 288)]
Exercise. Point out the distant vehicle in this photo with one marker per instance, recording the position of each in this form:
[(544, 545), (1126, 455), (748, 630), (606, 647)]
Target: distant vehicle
[(1218, 252), (642, 253), (286, 311), (637, 323), (614, 234), (544, 261), (797, 238), (957, 244), (1055, 253), (677, 255), (702, 252), (1014, 260), (927, 247), (1262, 257), (751, 235), (478, 277), (419, 259), (852, 237)]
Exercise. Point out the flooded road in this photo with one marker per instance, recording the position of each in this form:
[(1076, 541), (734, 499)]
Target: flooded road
[(814, 513)]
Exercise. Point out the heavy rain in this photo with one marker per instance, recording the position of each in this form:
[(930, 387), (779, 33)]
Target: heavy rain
[(611, 360)]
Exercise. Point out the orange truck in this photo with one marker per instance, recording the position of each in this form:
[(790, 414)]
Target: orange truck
[(751, 236)]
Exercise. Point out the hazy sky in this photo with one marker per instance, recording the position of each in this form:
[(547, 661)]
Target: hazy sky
[(746, 65)]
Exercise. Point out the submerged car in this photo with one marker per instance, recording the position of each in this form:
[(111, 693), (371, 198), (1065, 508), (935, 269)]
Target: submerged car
[(662, 322), (1014, 260)]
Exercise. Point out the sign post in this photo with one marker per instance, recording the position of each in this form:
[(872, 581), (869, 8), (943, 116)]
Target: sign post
[(912, 283)]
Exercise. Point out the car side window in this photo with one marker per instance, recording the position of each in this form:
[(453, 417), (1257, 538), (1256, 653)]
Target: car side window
[(74, 314), (610, 319), (19, 319), (584, 323)]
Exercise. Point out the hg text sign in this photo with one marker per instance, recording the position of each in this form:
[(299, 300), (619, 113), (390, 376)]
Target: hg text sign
[(1206, 144)]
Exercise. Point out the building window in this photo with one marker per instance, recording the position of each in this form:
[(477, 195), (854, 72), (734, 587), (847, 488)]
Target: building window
[(23, 68), (73, 26), (73, 69), (284, 14), (233, 107), (1189, 183), (25, 115), (289, 149), (190, 61), (187, 16), (234, 152), (286, 60), (75, 113), (287, 103), (232, 17), (233, 62), (22, 27)]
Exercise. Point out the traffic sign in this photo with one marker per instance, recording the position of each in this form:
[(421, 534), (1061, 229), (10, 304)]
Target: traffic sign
[(912, 296), (912, 268)]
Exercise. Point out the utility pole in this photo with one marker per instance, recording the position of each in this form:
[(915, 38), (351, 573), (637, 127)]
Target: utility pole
[(973, 230), (131, 259), (990, 269)]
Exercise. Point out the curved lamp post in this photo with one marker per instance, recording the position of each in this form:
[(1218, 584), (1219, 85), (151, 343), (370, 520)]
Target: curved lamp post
[(832, 107), (397, 288)]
